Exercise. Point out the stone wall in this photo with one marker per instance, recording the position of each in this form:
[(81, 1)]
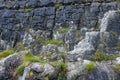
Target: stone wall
[(16, 16)]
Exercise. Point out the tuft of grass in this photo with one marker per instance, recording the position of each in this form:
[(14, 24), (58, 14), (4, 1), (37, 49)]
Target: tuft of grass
[(99, 56), (117, 68), (62, 65), (56, 42), (28, 9), (118, 46), (63, 30), (6, 53), (90, 67), (20, 69), (63, 69), (29, 57)]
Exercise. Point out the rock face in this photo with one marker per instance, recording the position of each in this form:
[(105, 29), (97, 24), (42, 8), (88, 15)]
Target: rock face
[(82, 26), (105, 40), (101, 72), (19, 16), (9, 64)]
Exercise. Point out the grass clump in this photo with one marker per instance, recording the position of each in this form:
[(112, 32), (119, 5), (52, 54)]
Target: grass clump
[(99, 56), (118, 46), (56, 42), (117, 68), (63, 69), (6, 53), (62, 65), (90, 67), (63, 30), (28, 9), (29, 57), (20, 69)]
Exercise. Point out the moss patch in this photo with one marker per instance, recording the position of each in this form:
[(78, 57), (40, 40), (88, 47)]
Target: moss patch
[(90, 67), (6, 53), (20, 69), (56, 42)]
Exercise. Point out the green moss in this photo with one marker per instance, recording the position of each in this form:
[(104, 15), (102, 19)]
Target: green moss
[(57, 5), (29, 57), (117, 68), (60, 64), (118, 46), (56, 42), (28, 9), (20, 69), (63, 30), (90, 67), (6, 53), (99, 56), (62, 55)]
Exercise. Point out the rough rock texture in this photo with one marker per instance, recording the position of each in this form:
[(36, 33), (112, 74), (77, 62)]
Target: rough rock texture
[(20, 15), (9, 64), (102, 71), (105, 40), (84, 26)]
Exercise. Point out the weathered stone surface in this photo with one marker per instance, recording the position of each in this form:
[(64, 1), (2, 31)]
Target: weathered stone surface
[(9, 64), (40, 71), (111, 22), (76, 71)]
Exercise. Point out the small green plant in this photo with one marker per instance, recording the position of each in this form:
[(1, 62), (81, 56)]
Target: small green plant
[(90, 67), (60, 64), (57, 5), (63, 30), (62, 55), (63, 69), (46, 78), (6, 53), (117, 68), (56, 42), (118, 46), (29, 57), (20, 69), (100, 56), (59, 77), (28, 9)]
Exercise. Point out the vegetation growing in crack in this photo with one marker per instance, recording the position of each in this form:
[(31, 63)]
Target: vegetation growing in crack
[(90, 67), (63, 30), (99, 56), (117, 68), (118, 46), (63, 69), (57, 5), (20, 69), (6, 53), (53, 41), (28, 9)]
